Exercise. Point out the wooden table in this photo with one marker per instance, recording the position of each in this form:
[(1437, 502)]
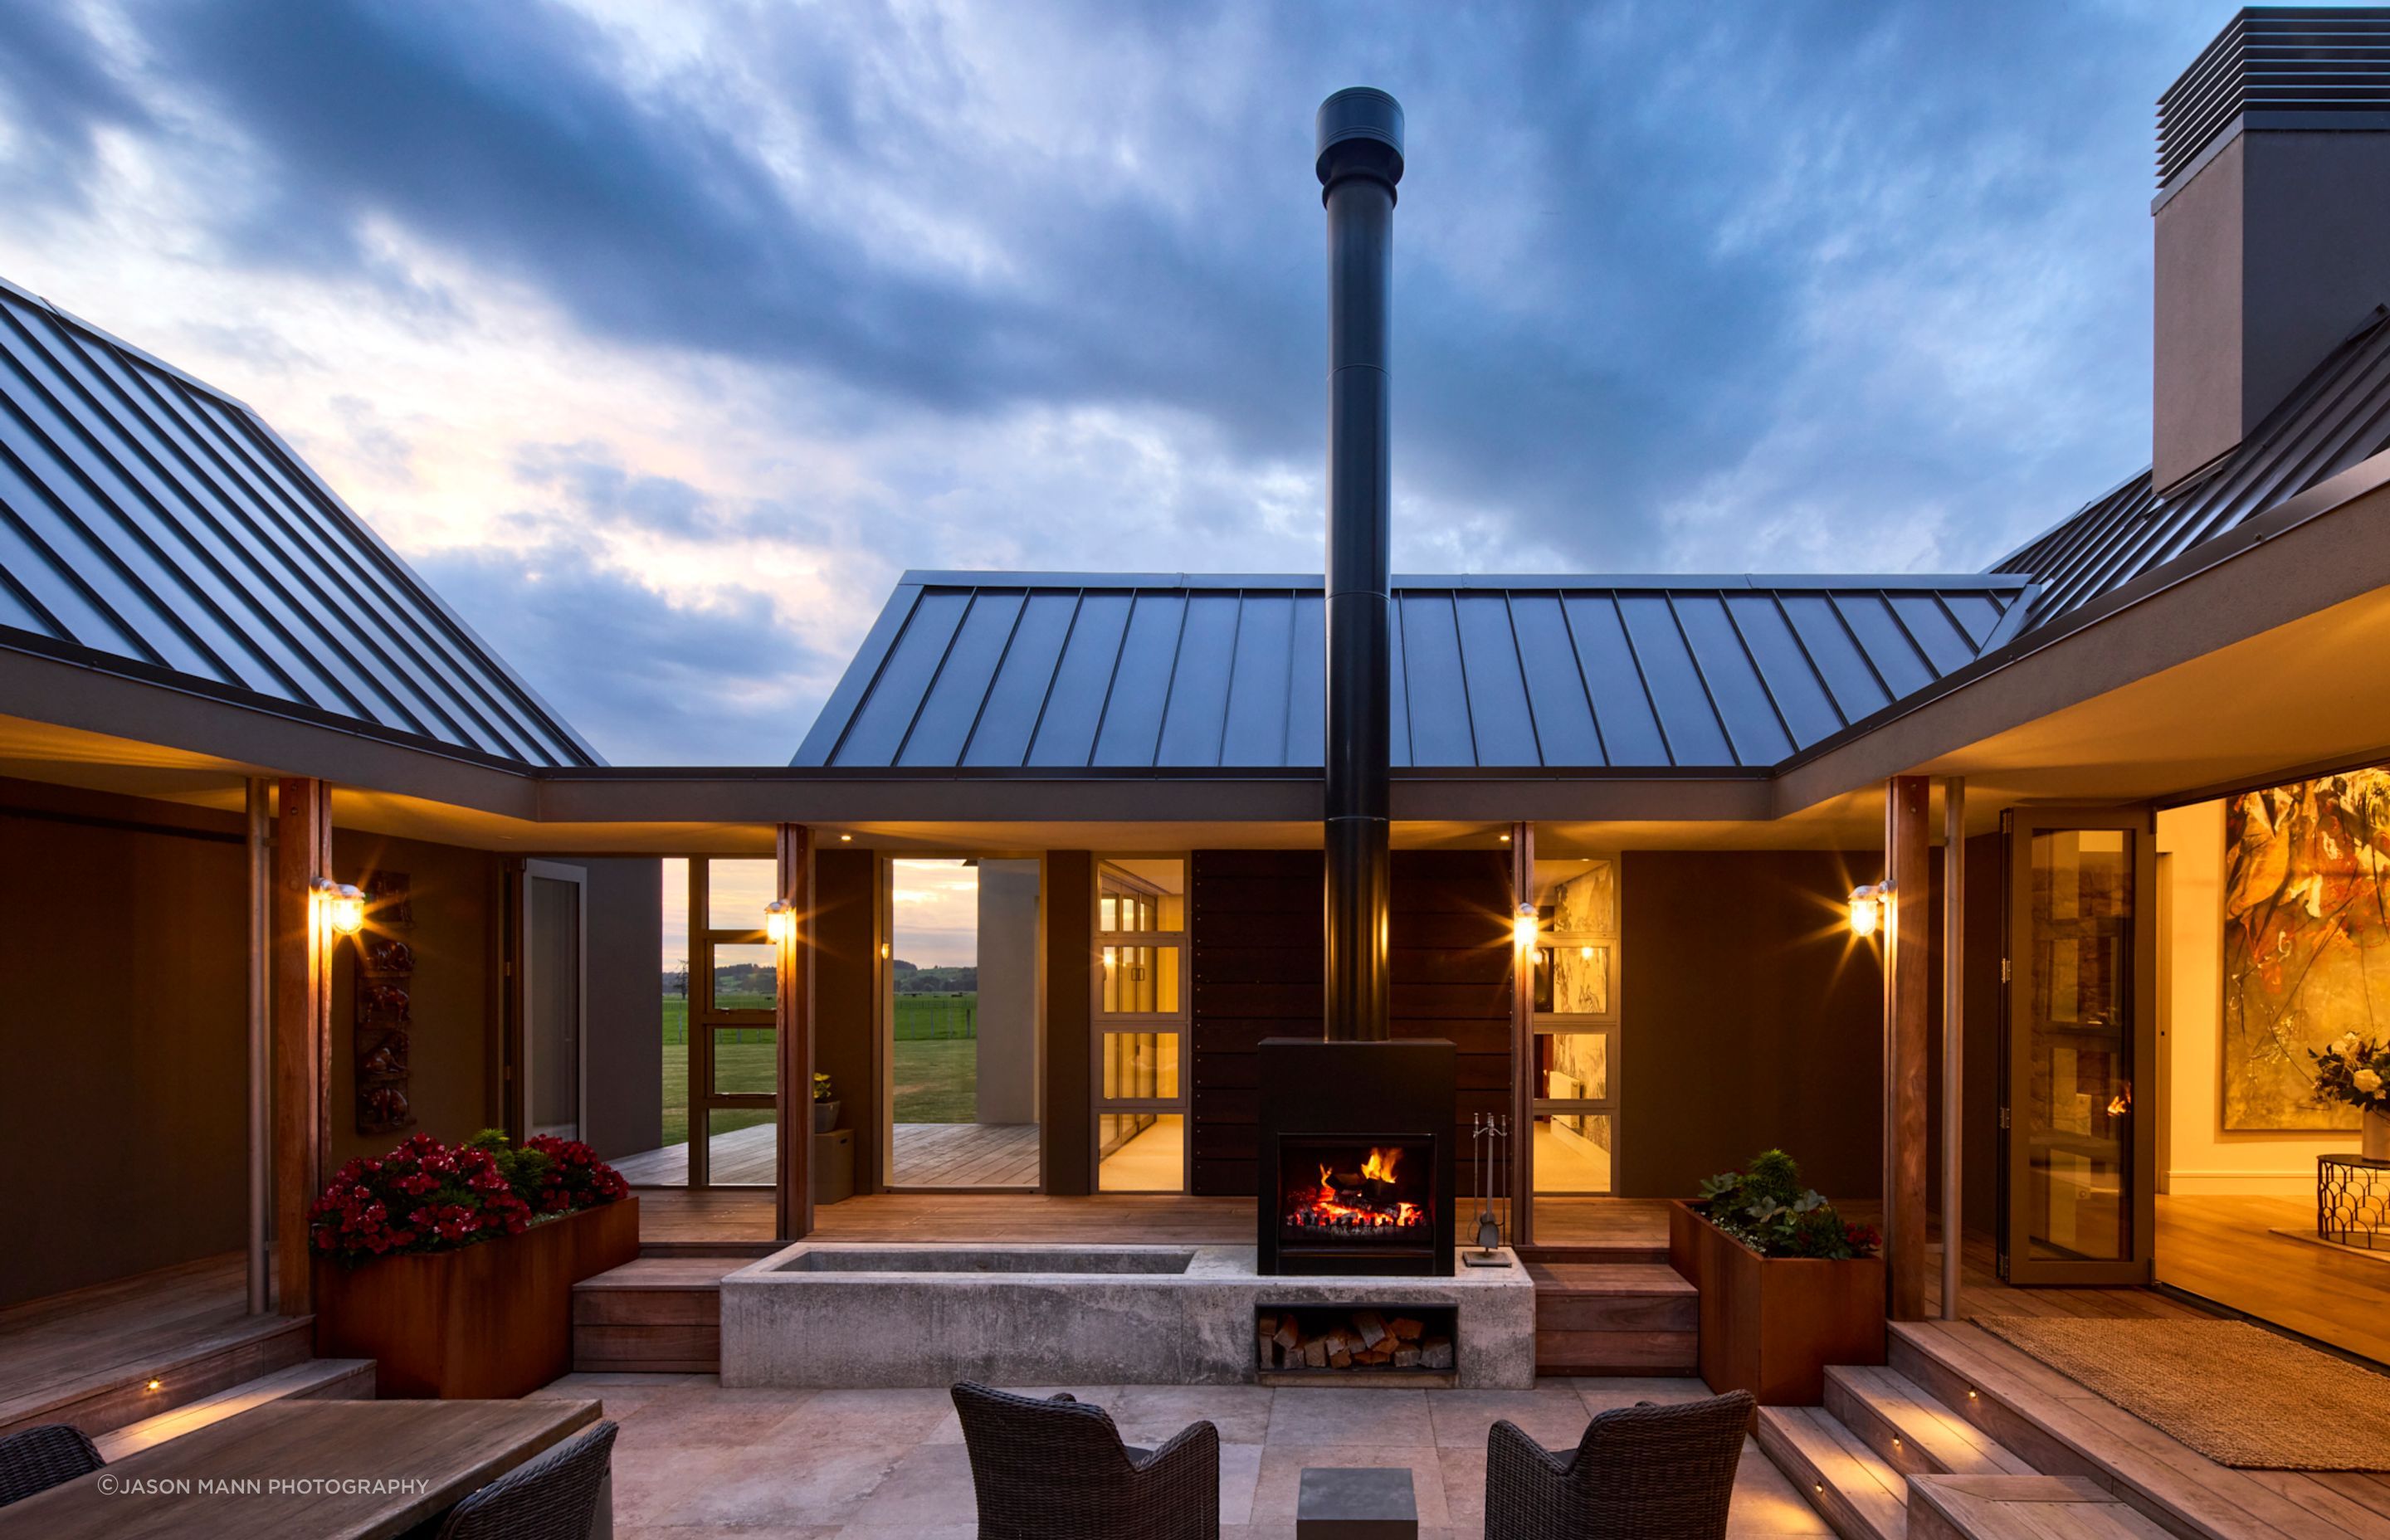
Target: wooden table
[(432, 1453)]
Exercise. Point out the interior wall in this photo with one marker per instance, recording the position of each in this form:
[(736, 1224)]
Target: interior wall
[(123, 1057), (2196, 1154), (625, 1081), (846, 1013), (457, 1010), (1751, 1019), (1007, 1057)]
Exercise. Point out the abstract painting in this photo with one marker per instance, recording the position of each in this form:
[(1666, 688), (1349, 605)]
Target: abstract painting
[(2307, 940)]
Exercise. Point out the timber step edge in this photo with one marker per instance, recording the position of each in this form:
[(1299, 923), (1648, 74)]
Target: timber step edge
[(317, 1379), (659, 1314), (1913, 1432), (2063, 1429), (1608, 1318), (1852, 1488), (2021, 1508), (115, 1394)]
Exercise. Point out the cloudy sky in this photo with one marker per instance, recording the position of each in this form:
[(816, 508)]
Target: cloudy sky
[(662, 338)]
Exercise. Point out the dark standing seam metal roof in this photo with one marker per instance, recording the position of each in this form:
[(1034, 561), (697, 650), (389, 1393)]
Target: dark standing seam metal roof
[(1074, 672), (152, 525), (2338, 417)]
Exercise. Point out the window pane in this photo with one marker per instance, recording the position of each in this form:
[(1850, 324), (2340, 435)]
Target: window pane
[(1141, 979), (1573, 978), (1140, 1066), (1142, 1152), (1578, 896), (745, 1060), (742, 1147), (1135, 894), (746, 976), (736, 892), (1572, 1066), (1573, 1153)]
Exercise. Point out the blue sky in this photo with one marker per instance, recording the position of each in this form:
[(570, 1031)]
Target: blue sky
[(662, 338)]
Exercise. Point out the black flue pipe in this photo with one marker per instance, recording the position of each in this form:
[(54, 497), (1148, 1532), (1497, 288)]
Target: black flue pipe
[(1360, 161)]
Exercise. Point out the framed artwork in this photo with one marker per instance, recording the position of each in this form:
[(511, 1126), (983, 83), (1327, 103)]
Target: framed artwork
[(2307, 941)]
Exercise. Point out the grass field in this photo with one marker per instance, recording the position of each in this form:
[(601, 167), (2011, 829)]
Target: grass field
[(936, 1069)]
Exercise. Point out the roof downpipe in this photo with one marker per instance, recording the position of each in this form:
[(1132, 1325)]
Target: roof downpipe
[(1360, 132)]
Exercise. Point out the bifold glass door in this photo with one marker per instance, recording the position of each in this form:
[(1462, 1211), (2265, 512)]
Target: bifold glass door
[(1141, 1025), (2078, 1029)]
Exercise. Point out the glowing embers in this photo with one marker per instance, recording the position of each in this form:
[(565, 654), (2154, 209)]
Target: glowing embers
[(1364, 1194)]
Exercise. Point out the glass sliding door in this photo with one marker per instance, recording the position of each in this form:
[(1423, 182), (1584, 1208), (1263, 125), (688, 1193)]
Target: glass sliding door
[(962, 1043), (555, 1013), (2078, 1029), (1141, 1025)]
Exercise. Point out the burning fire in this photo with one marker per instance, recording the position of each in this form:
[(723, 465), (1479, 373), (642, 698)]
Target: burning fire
[(1355, 1207)]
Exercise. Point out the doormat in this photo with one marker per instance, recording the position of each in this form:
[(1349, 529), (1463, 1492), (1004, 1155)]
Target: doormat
[(2311, 1239), (2239, 1395)]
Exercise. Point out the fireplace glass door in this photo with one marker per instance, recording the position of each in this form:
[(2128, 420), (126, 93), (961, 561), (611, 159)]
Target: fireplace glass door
[(1355, 1194)]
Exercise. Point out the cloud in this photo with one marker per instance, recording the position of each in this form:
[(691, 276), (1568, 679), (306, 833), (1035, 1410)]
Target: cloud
[(742, 303)]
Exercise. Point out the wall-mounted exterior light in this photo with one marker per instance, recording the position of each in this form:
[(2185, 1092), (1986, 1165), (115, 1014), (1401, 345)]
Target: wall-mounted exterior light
[(1867, 907), (781, 921), (1523, 928), (342, 905)]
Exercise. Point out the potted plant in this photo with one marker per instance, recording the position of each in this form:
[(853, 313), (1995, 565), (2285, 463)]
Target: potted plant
[(2355, 1071), (451, 1267), (1787, 1287), (825, 1104)]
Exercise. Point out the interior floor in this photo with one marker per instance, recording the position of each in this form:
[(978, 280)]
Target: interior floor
[(2229, 1250), (1567, 1161), (1153, 1160)]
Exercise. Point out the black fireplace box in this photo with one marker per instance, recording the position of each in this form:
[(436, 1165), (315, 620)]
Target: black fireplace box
[(1335, 1104)]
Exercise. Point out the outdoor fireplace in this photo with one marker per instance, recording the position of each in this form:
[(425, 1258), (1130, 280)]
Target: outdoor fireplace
[(1358, 1160)]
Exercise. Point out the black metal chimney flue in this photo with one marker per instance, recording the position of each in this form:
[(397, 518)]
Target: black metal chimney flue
[(1360, 160)]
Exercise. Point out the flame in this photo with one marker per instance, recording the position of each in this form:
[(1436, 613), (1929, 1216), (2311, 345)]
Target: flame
[(2120, 1104), (1326, 1205), (1380, 1166)]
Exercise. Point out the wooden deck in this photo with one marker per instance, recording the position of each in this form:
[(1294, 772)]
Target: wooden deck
[(89, 1357), (928, 1155)]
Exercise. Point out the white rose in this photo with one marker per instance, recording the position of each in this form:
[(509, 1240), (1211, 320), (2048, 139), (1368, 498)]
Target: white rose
[(2367, 1081), (2345, 1046)]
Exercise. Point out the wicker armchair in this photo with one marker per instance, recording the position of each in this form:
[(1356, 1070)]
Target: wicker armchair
[(39, 1458), (1646, 1471), (1057, 1470), (552, 1497)]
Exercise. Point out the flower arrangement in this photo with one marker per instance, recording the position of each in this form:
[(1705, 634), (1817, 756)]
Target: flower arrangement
[(426, 1196), (825, 1088), (1768, 1209), (2355, 1071)]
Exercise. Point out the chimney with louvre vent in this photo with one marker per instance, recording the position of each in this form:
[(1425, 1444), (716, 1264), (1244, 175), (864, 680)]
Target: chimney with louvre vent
[(2272, 219)]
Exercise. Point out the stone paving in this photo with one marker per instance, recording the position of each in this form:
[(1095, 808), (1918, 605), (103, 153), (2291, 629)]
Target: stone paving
[(696, 1461)]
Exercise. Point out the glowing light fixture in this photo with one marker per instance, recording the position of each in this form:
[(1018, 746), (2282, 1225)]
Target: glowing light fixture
[(846, 838), (781, 921), (1523, 928), (342, 905), (1506, 838), (1867, 907)]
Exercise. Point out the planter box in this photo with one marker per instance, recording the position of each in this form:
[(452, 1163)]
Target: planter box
[(489, 1322), (1771, 1325)]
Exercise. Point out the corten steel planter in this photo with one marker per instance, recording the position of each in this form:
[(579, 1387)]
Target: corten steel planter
[(488, 1322), (1771, 1325)]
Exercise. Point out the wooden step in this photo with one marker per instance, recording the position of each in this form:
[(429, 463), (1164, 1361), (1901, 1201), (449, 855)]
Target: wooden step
[(317, 1379), (1911, 1431), (125, 1376), (660, 1314), (1616, 1252), (1853, 1490), (2021, 1508), (2064, 1428), (1607, 1317)]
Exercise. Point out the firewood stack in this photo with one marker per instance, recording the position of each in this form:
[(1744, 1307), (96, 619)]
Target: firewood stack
[(1357, 1340)]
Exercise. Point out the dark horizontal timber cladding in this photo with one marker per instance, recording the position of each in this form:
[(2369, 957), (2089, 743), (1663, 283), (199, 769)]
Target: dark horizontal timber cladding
[(1254, 933)]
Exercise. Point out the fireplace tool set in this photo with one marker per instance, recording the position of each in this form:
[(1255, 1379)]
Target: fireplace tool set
[(1486, 1131)]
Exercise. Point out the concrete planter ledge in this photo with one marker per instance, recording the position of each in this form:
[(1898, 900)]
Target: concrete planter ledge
[(848, 1315)]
